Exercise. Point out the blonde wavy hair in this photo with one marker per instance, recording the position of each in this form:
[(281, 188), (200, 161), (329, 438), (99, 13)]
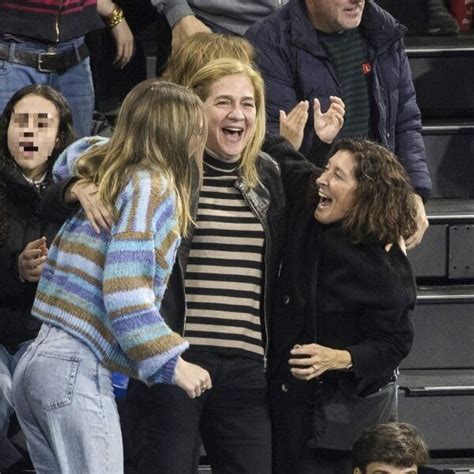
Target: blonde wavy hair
[(197, 50), (155, 127), (201, 83)]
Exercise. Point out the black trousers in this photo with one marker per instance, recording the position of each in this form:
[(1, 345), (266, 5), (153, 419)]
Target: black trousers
[(232, 419)]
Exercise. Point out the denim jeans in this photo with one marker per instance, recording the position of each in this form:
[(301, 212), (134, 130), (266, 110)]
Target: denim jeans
[(65, 405), (8, 363), (75, 83), (232, 419)]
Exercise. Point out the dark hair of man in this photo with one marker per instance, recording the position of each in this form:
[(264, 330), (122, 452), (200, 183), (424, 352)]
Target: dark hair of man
[(394, 444)]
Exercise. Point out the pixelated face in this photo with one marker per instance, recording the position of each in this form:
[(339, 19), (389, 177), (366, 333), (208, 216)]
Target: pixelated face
[(231, 114), (381, 468), (337, 186), (332, 16), (32, 134)]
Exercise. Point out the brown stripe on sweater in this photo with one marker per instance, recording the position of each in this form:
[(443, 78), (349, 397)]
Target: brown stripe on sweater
[(134, 235), (95, 256), (155, 347), (114, 285), (75, 271), (163, 250), (76, 311)]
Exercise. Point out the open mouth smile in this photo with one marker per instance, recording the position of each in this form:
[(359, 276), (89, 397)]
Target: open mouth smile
[(28, 146), (324, 200)]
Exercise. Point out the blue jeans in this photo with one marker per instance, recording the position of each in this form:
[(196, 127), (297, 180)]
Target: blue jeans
[(8, 363), (232, 419), (75, 83), (65, 405)]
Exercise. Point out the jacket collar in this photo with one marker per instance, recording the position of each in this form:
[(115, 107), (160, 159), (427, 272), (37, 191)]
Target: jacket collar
[(378, 27)]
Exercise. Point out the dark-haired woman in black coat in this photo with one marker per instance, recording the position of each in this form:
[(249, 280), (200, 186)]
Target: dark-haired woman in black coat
[(340, 325)]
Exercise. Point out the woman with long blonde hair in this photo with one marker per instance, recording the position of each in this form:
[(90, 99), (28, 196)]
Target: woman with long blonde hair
[(100, 294), (219, 295)]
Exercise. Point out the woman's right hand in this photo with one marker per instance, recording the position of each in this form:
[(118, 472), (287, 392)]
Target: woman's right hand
[(292, 125), (31, 260), (194, 380), (98, 214)]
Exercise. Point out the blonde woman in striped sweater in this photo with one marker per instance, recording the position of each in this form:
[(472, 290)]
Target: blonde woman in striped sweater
[(99, 295)]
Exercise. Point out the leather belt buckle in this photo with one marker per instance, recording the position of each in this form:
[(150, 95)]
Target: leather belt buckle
[(40, 66)]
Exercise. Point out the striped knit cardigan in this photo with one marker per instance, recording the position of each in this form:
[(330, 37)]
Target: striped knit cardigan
[(105, 289)]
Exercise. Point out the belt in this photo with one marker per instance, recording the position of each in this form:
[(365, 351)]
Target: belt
[(46, 61)]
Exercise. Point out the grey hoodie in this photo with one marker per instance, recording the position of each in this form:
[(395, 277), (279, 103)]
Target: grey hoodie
[(233, 16)]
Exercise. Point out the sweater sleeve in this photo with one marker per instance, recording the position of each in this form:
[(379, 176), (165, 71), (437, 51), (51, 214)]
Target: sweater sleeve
[(173, 10), (64, 167), (138, 263)]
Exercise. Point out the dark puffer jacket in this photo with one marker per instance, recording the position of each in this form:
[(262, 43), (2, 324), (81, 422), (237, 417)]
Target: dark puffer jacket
[(25, 223), (296, 67)]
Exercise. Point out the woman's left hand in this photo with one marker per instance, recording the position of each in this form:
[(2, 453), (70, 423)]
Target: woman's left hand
[(124, 44), (327, 125), (312, 360)]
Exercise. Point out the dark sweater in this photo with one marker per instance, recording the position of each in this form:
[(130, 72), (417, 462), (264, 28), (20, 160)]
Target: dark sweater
[(50, 21)]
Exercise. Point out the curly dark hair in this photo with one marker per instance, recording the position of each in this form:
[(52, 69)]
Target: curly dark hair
[(394, 444), (385, 206), (65, 138)]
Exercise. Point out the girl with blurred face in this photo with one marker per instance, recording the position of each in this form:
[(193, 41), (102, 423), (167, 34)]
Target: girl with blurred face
[(32, 134), (35, 126)]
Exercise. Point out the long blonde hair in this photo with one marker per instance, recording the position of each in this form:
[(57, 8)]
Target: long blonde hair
[(197, 50), (201, 84), (155, 126)]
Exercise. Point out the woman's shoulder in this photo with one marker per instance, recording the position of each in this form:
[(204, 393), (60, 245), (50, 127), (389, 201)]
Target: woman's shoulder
[(369, 264)]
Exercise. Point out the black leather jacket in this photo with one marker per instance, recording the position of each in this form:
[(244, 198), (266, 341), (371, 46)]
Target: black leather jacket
[(268, 203)]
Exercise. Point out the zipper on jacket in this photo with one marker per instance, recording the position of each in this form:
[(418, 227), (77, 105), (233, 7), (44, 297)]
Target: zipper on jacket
[(57, 20), (240, 186)]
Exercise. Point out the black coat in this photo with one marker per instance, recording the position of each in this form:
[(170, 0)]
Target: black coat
[(344, 296), (25, 223)]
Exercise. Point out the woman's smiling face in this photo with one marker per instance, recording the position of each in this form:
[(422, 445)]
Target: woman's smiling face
[(231, 114), (337, 185)]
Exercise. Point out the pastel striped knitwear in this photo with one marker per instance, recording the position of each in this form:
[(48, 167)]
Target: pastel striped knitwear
[(105, 289)]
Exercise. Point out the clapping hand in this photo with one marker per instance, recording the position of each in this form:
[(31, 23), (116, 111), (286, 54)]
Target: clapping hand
[(292, 125), (327, 125)]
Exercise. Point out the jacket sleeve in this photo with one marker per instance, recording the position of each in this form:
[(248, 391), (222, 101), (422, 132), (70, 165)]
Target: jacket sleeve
[(10, 284), (173, 10), (52, 206), (138, 263), (409, 144), (296, 170), (274, 62), (385, 322)]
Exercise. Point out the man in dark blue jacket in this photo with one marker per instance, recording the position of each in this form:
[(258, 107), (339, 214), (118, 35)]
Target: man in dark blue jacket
[(353, 49)]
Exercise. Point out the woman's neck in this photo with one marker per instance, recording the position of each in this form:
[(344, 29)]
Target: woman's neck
[(35, 176)]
